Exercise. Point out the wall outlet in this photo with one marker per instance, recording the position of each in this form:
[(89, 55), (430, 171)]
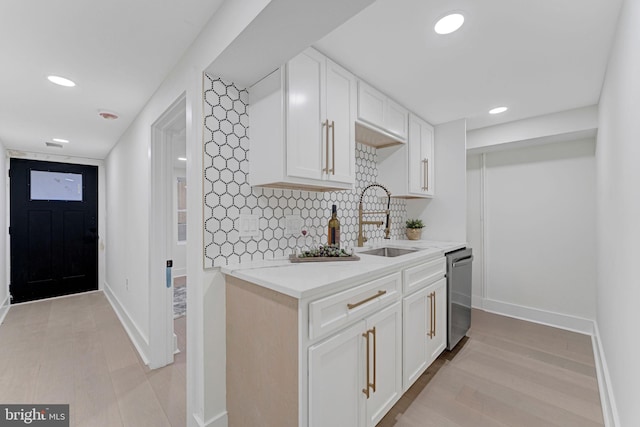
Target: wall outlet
[(293, 225), (248, 225)]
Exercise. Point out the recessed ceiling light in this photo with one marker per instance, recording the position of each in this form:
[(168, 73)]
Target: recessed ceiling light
[(64, 141), (449, 23), (498, 110), (183, 159), (61, 81)]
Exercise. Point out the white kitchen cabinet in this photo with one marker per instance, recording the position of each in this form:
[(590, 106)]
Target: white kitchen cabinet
[(408, 171), (355, 376), (340, 356), (302, 126), (424, 329), (336, 379), (385, 362), (377, 110), (421, 157)]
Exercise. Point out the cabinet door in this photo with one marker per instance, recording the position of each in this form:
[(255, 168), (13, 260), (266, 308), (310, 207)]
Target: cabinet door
[(385, 362), (341, 106), (437, 320), (395, 119), (336, 380), (371, 105), (420, 160), (304, 139), (416, 318)]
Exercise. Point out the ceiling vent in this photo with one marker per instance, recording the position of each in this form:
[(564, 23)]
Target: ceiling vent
[(53, 145)]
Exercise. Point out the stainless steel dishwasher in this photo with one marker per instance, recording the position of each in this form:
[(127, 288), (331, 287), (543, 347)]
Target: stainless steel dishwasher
[(458, 295)]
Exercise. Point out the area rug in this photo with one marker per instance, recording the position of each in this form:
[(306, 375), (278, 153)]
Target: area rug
[(179, 301)]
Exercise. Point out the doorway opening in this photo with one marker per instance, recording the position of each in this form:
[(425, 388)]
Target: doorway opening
[(53, 229), (167, 236)]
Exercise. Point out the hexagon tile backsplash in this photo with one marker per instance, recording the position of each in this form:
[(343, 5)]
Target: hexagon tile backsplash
[(227, 192)]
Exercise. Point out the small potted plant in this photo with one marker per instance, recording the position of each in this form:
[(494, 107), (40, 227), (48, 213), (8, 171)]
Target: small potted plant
[(414, 229)]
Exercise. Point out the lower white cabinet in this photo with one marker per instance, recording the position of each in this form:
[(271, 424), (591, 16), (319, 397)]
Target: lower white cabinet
[(424, 329), (340, 358), (355, 376), (336, 379)]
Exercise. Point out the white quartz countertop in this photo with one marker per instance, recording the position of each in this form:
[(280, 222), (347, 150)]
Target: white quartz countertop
[(302, 280)]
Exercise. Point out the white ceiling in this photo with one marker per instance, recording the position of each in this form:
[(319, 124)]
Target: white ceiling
[(118, 52), (536, 57)]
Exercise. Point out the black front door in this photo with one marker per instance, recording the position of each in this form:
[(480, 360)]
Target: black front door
[(53, 229)]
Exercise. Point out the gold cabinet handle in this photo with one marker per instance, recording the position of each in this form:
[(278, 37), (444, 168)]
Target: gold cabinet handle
[(434, 313), (426, 174), (333, 147), (375, 350), (425, 177), (366, 389), (366, 300), (430, 333), (325, 125)]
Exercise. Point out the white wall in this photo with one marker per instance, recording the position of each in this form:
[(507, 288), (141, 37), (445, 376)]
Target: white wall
[(128, 195), (4, 241), (475, 223), (533, 211), (618, 195), (445, 216), (568, 125)]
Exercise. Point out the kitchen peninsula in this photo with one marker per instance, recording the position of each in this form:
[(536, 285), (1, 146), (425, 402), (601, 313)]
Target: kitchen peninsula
[(322, 344)]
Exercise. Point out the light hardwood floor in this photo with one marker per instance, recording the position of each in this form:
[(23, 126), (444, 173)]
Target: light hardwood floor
[(74, 350), (507, 373)]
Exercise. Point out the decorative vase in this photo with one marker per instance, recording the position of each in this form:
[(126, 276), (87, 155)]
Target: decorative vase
[(414, 233)]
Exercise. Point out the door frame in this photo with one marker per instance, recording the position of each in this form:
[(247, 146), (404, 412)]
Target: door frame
[(161, 341), (13, 154)]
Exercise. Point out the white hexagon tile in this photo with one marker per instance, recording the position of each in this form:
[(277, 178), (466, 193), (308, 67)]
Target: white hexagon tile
[(227, 193)]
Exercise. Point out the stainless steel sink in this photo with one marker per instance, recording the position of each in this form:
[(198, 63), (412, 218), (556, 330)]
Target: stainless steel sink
[(389, 252)]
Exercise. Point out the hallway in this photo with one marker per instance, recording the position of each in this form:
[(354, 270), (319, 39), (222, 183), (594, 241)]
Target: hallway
[(74, 350)]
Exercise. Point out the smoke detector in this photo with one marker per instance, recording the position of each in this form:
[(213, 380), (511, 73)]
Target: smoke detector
[(108, 115)]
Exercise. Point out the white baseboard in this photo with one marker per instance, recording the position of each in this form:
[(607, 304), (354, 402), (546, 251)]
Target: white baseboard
[(140, 342), (4, 308), (609, 409), (176, 350), (220, 420), (549, 318)]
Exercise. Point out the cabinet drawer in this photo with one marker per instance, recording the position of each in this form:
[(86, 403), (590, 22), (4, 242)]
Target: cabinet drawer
[(423, 275), (337, 310)]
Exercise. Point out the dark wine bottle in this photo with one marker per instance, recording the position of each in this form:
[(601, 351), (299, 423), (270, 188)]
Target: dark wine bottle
[(334, 228)]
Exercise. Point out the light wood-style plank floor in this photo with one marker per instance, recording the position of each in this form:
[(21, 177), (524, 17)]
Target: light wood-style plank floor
[(74, 350), (507, 373)]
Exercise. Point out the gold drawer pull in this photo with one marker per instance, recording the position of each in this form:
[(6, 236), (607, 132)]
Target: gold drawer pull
[(366, 300), (370, 385)]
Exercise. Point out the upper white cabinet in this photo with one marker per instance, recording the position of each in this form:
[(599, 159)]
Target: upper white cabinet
[(302, 125), (378, 111), (408, 171), (421, 157)]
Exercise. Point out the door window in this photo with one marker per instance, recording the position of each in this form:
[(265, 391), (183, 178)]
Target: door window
[(60, 186)]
